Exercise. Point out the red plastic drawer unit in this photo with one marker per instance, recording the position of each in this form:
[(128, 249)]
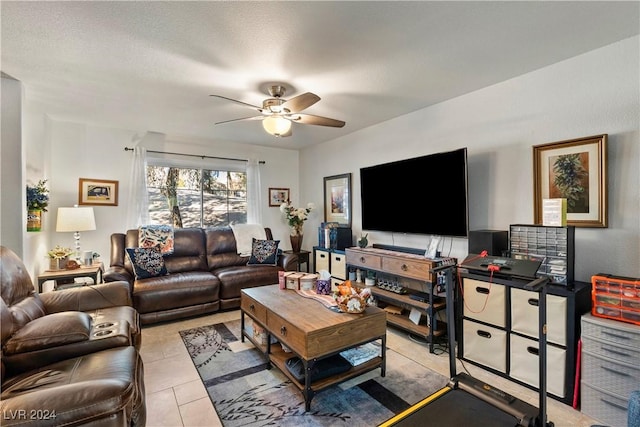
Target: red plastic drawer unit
[(616, 297)]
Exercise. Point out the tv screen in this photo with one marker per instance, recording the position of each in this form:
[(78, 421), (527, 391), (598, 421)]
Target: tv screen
[(422, 195)]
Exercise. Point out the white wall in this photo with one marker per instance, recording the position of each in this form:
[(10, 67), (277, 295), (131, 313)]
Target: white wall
[(87, 151), (13, 198), (594, 93)]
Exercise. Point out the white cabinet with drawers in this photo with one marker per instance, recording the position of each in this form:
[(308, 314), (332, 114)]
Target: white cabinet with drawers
[(500, 330), (610, 368)]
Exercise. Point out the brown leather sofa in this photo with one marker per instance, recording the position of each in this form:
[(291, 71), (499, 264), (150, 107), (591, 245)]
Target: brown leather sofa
[(205, 274), (68, 357)]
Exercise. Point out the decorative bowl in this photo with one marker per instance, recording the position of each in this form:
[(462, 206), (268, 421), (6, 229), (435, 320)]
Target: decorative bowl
[(352, 299)]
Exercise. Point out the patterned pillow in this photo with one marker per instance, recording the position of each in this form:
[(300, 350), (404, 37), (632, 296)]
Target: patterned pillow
[(156, 235), (264, 252), (147, 262)]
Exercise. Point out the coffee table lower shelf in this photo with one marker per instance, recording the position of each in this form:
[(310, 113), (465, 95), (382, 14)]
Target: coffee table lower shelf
[(278, 357)]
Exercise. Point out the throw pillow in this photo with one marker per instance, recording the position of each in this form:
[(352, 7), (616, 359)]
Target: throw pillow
[(264, 252), (156, 235), (147, 262)]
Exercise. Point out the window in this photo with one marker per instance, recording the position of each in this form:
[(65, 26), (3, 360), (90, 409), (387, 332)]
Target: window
[(196, 197)]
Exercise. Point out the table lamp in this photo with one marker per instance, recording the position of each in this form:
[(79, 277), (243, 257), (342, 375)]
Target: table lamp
[(75, 219)]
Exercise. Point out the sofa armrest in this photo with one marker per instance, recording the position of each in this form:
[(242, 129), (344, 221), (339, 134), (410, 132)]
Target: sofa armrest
[(117, 273), (88, 298), (288, 261), (48, 331)]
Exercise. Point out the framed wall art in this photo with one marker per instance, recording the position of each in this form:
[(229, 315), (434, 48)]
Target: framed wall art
[(575, 170), (97, 192), (278, 196), (337, 199)]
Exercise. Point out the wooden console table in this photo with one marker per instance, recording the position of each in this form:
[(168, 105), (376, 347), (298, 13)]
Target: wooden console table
[(407, 266), (312, 332)]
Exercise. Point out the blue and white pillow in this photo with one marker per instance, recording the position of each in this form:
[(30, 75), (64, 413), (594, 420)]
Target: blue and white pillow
[(147, 262), (264, 252)]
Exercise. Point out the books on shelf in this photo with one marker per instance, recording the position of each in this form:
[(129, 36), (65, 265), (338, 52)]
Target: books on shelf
[(362, 353)]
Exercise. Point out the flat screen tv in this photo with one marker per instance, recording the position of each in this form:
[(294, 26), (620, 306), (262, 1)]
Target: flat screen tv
[(422, 195)]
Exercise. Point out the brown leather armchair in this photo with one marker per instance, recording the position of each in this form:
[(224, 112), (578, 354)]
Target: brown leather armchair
[(59, 325), (68, 357)]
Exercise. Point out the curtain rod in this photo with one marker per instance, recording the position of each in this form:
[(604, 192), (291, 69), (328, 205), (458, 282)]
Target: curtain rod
[(262, 162)]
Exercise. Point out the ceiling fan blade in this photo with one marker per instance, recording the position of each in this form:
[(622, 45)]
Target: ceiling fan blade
[(310, 119), (301, 102), (255, 107), (242, 119)]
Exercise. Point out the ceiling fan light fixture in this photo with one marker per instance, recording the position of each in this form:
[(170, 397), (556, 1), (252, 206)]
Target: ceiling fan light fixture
[(276, 125)]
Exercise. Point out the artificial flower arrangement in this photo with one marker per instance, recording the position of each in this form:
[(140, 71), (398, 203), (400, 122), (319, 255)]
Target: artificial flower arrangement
[(38, 196), (296, 216), (59, 252), (352, 299)]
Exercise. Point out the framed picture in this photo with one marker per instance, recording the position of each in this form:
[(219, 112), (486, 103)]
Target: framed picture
[(97, 192), (575, 170), (278, 196), (337, 199)]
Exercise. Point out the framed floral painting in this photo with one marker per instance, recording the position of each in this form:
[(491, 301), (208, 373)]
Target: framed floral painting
[(575, 170), (337, 199), (278, 196)]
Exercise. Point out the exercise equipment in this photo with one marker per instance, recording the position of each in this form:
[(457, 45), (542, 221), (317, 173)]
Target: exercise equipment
[(467, 401)]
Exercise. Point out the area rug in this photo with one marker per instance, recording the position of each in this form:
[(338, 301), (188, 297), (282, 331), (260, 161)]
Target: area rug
[(245, 393)]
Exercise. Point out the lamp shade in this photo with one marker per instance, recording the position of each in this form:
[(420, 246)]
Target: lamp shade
[(276, 125), (75, 219)]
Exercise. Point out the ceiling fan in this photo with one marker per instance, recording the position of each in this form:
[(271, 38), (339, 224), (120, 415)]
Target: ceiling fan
[(277, 114)]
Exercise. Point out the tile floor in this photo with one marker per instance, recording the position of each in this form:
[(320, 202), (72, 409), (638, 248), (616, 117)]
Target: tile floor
[(176, 397)]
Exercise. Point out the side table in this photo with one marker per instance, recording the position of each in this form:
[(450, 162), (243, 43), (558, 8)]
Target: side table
[(93, 271), (303, 258)]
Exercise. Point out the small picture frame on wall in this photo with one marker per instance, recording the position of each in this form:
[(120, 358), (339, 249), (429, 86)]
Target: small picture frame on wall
[(337, 199), (278, 196), (97, 192)]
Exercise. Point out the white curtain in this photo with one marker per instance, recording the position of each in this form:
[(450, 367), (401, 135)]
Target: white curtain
[(254, 193), (138, 199)]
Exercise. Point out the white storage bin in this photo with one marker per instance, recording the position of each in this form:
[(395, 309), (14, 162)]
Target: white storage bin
[(525, 364), (334, 283), (322, 261), (524, 315), (485, 301), (485, 345), (338, 265)]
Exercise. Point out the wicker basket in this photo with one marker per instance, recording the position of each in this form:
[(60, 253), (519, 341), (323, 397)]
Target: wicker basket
[(355, 304)]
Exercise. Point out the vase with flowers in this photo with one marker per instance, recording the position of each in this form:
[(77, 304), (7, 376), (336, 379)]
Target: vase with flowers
[(295, 218), (37, 202)]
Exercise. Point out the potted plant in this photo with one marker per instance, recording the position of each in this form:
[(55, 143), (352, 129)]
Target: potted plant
[(37, 202), (58, 257)]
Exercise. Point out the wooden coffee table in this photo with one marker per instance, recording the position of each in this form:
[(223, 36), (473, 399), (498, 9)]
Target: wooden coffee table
[(312, 332)]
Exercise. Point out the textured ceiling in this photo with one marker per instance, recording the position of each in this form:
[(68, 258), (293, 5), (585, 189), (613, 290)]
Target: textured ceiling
[(152, 65)]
